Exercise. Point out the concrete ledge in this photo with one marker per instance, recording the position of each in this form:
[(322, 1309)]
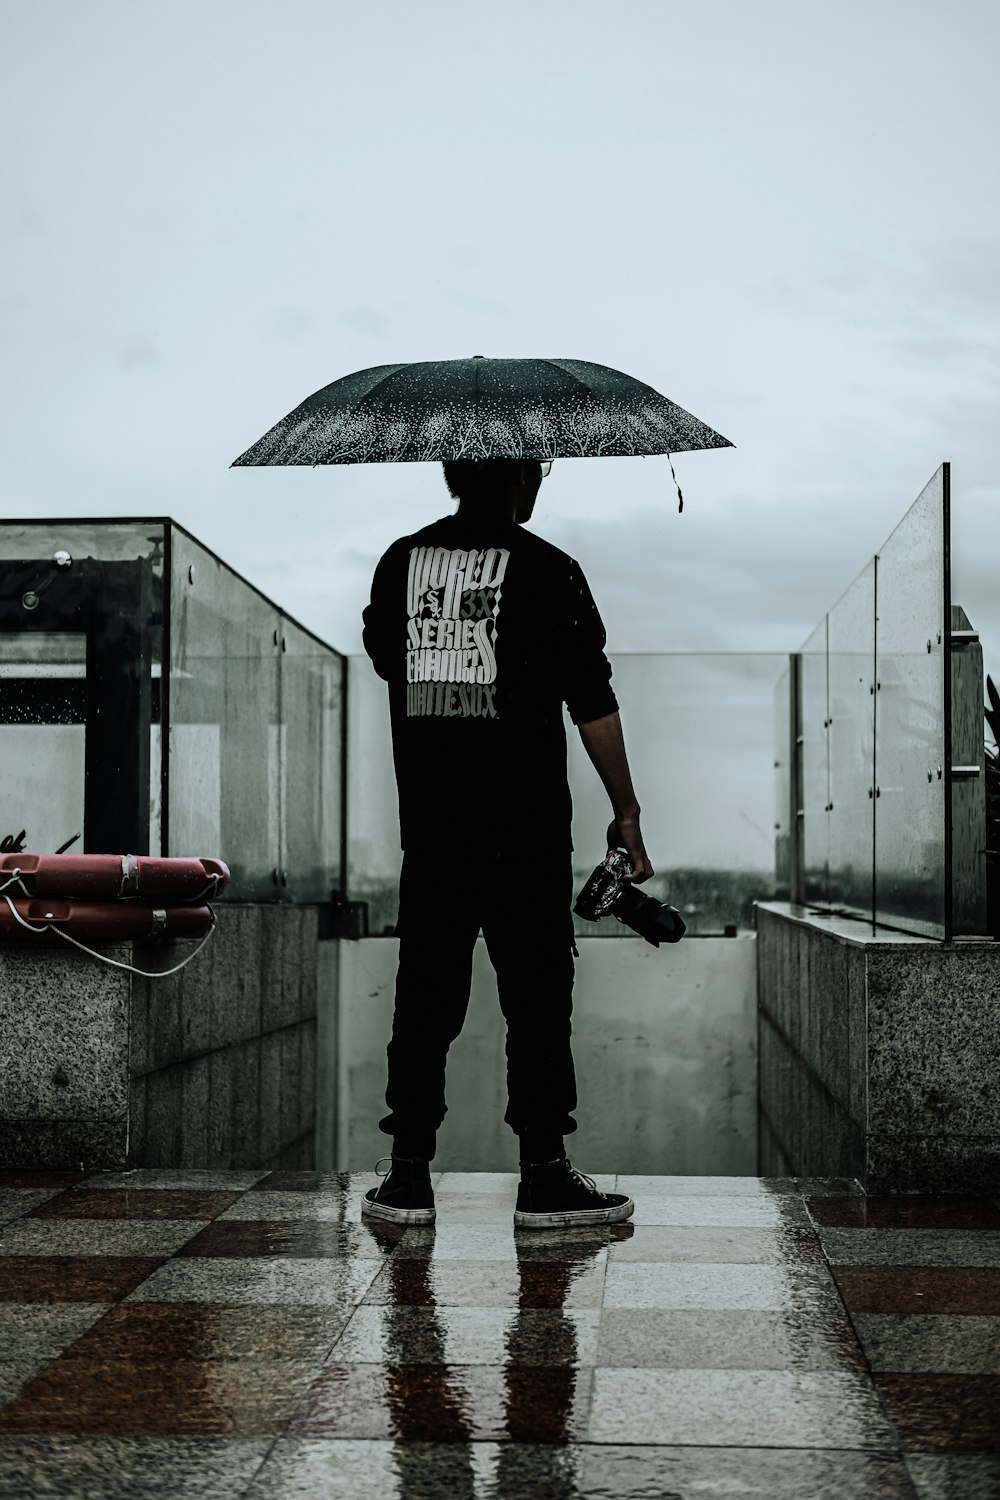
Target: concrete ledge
[(849, 930), (879, 1054)]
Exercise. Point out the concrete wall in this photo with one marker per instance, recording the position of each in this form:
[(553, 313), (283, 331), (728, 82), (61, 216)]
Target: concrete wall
[(213, 1067), (879, 1055), (665, 1048)]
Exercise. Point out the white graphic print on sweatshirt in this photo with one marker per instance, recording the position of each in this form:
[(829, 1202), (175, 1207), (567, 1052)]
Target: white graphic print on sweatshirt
[(452, 601)]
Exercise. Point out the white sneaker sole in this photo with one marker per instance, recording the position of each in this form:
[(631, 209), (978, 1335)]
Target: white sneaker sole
[(397, 1215), (574, 1218)]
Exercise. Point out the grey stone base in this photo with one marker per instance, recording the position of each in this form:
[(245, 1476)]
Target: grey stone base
[(934, 1164), (879, 1055), (213, 1067), (63, 1145)]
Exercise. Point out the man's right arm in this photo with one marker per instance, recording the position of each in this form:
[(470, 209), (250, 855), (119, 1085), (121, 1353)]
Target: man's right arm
[(594, 710), (605, 744)]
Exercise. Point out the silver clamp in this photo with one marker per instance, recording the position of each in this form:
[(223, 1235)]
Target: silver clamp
[(159, 921), (129, 888)]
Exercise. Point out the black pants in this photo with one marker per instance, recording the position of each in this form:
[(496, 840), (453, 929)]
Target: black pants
[(522, 905)]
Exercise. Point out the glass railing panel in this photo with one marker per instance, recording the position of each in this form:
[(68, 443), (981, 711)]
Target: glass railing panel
[(43, 697), (699, 733), (104, 541), (81, 624), (225, 729), (851, 663), (373, 852), (784, 825), (254, 772), (909, 719), (815, 716), (312, 723), (699, 736)]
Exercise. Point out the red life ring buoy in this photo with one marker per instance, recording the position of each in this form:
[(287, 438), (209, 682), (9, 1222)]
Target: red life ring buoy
[(101, 921), (122, 877)]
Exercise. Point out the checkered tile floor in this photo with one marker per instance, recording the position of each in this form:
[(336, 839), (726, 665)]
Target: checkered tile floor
[(237, 1334)]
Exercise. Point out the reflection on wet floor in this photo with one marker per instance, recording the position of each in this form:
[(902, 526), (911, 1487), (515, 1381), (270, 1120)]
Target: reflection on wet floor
[(248, 1335)]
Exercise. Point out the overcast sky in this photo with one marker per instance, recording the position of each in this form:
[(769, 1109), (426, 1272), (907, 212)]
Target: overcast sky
[(782, 214)]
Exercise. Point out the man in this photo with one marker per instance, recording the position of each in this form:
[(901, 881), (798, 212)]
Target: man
[(483, 631)]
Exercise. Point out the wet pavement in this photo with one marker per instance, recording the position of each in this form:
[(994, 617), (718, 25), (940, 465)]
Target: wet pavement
[(239, 1334)]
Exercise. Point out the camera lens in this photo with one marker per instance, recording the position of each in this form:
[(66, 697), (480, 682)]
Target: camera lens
[(650, 918)]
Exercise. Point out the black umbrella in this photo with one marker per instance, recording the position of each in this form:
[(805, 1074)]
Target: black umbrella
[(450, 409)]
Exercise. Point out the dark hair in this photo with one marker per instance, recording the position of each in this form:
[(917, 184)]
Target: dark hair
[(480, 478)]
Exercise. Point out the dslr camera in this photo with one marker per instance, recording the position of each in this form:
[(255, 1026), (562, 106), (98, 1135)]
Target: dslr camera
[(608, 893)]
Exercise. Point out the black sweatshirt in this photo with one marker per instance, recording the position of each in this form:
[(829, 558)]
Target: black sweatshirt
[(483, 631)]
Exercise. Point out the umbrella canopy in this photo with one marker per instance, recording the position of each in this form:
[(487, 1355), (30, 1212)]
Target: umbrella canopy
[(451, 409)]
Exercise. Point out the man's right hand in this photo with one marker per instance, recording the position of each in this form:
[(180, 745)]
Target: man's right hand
[(624, 833)]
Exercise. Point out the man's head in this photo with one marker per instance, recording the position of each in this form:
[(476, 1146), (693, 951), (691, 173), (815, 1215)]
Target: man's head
[(504, 486)]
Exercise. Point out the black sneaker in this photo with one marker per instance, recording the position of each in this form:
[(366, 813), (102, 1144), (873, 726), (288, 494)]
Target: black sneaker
[(405, 1196), (554, 1195)]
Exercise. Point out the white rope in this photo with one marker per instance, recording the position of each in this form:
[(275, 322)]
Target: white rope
[(208, 894), (101, 957)]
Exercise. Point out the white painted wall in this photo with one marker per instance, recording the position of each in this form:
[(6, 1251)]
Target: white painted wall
[(665, 1042)]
